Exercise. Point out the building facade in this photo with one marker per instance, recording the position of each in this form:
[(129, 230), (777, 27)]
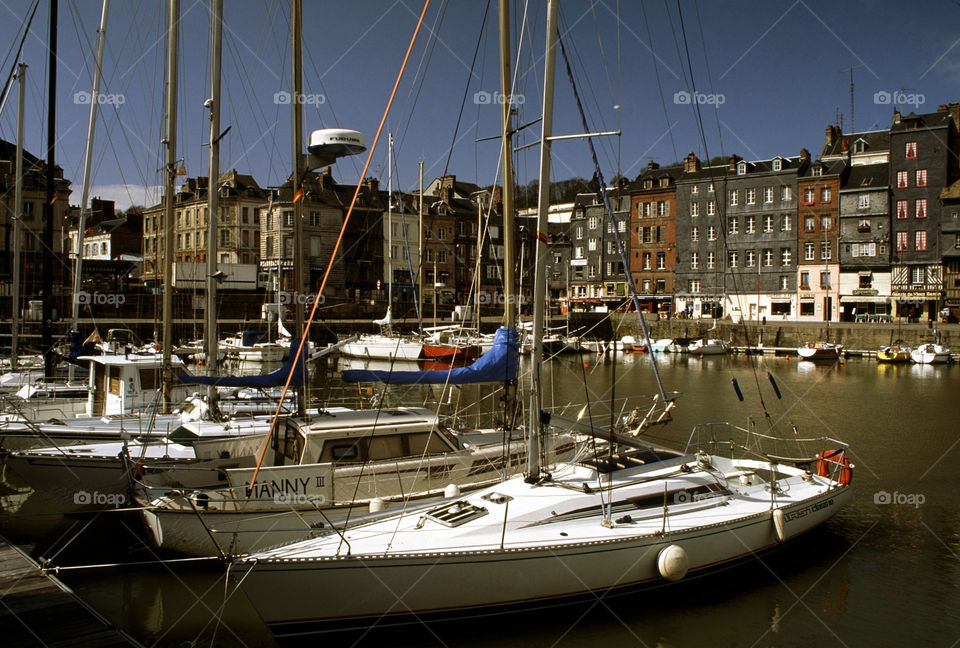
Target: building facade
[(653, 235)]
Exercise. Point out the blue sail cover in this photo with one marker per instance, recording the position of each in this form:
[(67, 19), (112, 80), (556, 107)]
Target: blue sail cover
[(498, 364), (274, 379)]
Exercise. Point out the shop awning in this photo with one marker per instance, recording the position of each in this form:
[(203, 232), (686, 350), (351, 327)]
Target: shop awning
[(863, 299)]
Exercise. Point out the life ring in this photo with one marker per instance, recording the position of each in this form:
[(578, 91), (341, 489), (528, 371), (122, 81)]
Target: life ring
[(828, 463)]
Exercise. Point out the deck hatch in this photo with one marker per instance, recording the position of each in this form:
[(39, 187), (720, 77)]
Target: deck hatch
[(455, 514)]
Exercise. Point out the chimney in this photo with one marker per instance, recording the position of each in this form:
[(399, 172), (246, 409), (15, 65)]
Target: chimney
[(954, 109), (832, 132), (896, 116), (372, 184), (804, 155), (733, 161), (845, 144), (691, 163), (651, 165)]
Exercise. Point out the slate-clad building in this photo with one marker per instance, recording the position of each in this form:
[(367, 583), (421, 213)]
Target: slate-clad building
[(818, 227)]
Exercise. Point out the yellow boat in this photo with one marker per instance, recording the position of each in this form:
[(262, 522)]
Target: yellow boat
[(893, 354)]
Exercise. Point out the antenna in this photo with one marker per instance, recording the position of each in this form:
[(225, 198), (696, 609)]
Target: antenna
[(851, 69)]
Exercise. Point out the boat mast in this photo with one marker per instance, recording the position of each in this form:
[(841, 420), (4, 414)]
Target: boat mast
[(532, 473), (168, 217), (210, 337), (46, 327), (17, 220), (389, 226), (296, 29), (420, 251), (509, 310), (87, 160)]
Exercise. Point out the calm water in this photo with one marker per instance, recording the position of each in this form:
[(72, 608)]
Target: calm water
[(878, 574)]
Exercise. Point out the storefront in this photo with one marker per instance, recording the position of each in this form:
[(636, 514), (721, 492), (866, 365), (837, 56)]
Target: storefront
[(865, 308)]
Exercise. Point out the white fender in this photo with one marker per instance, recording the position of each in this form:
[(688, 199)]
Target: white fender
[(672, 562), (778, 524)]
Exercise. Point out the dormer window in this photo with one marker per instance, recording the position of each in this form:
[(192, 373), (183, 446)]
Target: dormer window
[(741, 168), (778, 165), (664, 182), (816, 171), (859, 146), (648, 184)]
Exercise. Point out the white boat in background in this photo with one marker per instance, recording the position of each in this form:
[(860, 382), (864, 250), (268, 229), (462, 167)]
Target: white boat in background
[(248, 346), (820, 351), (384, 345), (708, 347), (661, 346), (930, 354)]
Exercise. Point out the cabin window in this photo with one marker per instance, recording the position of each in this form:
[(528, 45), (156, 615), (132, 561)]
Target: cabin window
[(149, 379), (116, 383), (343, 452)]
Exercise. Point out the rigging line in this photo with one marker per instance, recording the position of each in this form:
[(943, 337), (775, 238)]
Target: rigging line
[(466, 88), (706, 62), (343, 228), (9, 82), (721, 199), (424, 65), (612, 220), (656, 72)]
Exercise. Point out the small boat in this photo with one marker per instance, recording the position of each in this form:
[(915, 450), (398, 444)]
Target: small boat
[(708, 347), (385, 345), (252, 347), (893, 354), (820, 351), (662, 345), (451, 347), (930, 354), (632, 345)]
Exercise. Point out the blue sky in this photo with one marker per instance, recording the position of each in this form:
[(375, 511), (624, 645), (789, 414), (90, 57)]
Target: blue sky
[(771, 77)]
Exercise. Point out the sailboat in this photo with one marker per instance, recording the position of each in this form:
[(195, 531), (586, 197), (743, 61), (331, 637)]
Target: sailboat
[(635, 515)]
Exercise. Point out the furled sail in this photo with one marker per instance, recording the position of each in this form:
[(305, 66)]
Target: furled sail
[(498, 364), (274, 379)]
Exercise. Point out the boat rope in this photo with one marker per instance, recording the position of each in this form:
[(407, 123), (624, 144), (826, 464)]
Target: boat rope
[(466, 89), (339, 241)]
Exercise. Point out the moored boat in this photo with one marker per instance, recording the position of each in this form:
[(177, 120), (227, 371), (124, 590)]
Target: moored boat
[(930, 354), (894, 354), (820, 351)]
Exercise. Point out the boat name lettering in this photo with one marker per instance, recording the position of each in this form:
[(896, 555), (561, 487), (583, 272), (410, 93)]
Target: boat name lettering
[(813, 508), (296, 486)]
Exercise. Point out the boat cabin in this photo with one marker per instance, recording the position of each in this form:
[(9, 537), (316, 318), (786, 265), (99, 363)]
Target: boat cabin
[(127, 383)]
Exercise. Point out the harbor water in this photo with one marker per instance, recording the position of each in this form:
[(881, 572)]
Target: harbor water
[(884, 571)]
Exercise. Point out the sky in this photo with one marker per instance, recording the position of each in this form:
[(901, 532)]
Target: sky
[(768, 77)]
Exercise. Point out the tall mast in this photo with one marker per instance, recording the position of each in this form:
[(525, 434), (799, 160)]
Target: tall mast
[(509, 315), (296, 29), (168, 218), (87, 160), (46, 327), (210, 337), (420, 251), (389, 224), (17, 223), (543, 209)]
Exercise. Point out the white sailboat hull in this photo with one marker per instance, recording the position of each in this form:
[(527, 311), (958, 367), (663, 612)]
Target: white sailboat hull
[(383, 348)]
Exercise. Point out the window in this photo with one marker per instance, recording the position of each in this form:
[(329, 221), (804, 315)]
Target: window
[(785, 256), (609, 227), (751, 258), (809, 252), (579, 231), (824, 279), (661, 286), (694, 233), (778, 165), (224, 237), (742, 168), (910, 150), (661, 260), (751, 196), (863, 225), (863, 201), (711, 233), (784, 283), (733, 258), (768, 224), (646, 260), (864, 250), (442, 233), (805, 280), (711, 260), (711, 208), (734, 198), (734, 225), (592, 244), (921, 177), (591, 272), (578, 252), (809, 223), (901, 180), (694, 209), (442, 256), (921, 241), (826, 223), (816, 171), (807, 308), (916, 275), (785, 223), (768, 258), (921, 208), (901, 209), (751, 224), (710, 187), (859, 146), (826, 251), (662, 209), (768, 194), (593, 222), (901, 241), (866, 281), (646, 285), (693, 285), (825, 194), (611, 247), (694, 190), (621, 226), (287, 218), (694, 260), (786, 193), (808, 196)]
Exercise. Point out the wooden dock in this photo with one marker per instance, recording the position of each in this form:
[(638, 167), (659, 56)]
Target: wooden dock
[(37, 609)]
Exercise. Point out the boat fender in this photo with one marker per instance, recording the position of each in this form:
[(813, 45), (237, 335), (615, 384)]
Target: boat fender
[(451, 491), (776, 388), (736, 388), (377, 504), (778, 524), (672, 562), (832, 462)]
